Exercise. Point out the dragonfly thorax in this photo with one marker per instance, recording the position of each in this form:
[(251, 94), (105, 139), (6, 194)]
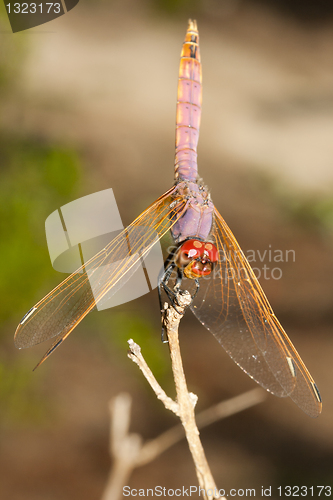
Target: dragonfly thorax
[(196, 258), (197, 220)]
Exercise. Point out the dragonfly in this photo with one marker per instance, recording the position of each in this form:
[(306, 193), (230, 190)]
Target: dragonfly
[(228, 299)]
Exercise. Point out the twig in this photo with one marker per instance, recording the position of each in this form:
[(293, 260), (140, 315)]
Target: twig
[(184, 399), (155, 447), (135, 355), (230, 407), (127, 450), (124, 447)]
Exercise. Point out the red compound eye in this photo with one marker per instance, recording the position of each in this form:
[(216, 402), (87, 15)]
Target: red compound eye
[(196, 250), (191, 249), (211, 252)]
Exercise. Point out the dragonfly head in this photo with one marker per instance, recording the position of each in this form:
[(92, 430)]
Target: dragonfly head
[(196, 258)]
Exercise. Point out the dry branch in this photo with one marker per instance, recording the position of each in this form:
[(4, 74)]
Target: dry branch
[(185, 400), (129, 452)]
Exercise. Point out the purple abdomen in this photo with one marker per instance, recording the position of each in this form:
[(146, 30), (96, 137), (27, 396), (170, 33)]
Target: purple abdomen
[(188, 107), (198, 218)]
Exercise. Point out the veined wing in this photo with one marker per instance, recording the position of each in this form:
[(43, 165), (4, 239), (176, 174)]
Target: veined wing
[(57, 314), (232, 305)]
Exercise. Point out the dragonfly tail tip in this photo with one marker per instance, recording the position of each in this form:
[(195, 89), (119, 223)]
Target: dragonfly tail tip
[(192, 25)]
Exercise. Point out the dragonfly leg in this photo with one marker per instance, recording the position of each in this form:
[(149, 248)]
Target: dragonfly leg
[(163, 279), (178, 283), (179, 279), (162, 282), (172, 293), (197, 284)]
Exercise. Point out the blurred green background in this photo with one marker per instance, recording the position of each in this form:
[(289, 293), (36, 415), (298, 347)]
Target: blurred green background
[(88, 102)]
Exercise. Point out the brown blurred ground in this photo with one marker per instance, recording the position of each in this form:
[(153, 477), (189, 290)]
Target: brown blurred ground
[(104, 81)]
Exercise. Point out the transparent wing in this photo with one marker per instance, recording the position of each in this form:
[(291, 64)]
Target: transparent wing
[(233, 307), (57, 314)]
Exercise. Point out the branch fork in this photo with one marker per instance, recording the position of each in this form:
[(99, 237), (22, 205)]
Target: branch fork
[(128, 449), (185, 404)]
